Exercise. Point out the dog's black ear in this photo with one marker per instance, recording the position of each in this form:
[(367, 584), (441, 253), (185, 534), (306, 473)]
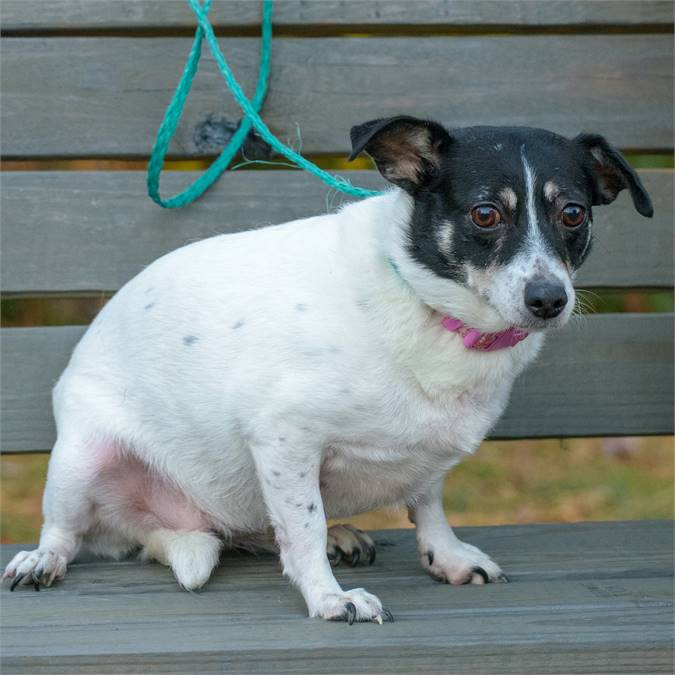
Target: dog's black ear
[(611, 173), (407, 150)]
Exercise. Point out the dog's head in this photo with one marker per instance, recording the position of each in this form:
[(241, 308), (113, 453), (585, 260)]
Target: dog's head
[(501, 216)]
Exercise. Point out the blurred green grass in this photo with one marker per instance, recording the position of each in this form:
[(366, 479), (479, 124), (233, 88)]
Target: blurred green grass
[(554, 480), (505, 482)]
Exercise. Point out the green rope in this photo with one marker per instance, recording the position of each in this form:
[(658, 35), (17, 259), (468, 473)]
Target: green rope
[(251, 117)]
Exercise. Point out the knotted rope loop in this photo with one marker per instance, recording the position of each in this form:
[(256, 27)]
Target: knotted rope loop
[(250, 120)]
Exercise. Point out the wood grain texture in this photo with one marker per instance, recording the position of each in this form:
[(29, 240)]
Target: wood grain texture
[(93, 231), (106, 97), (70, 14), (611, 374), (583, 598)]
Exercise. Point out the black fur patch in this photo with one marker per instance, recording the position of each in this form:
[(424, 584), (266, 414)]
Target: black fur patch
[(481, 164), (477, 165)]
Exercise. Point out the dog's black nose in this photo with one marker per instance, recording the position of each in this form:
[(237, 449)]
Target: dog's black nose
[(544, 298)]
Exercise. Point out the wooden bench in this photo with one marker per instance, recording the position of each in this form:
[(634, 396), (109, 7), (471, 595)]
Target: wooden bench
[(89, 81)]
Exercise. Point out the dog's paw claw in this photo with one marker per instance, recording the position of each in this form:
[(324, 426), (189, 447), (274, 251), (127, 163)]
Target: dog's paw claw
[(350, 610), (37, 568), (17, 580), (346, 542), (478, 571), (336, 558)]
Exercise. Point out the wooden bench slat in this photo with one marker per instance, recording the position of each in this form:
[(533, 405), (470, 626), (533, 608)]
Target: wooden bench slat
[(75, 14), (105, 97), (614, 579), (93, 231), (610, 374)]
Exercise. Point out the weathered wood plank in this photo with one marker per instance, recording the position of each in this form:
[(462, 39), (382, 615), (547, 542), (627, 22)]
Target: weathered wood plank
[(93, 231), (82, 14), (93, 97), (583, 598), (611, 374)]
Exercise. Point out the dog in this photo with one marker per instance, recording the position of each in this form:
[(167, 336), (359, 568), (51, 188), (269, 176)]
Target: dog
[(324, 367)]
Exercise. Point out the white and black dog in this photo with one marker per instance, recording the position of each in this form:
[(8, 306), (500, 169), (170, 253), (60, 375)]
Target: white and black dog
[(324, 367)]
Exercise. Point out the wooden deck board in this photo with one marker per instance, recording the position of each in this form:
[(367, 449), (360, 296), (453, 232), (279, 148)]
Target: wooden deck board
[(131, 14), (94, 97), (582, 598)]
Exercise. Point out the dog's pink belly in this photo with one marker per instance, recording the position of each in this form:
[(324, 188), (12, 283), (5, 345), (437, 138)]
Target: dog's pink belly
[(131, 496)]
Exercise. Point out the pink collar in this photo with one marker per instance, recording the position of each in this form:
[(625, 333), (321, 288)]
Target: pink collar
[(484, 342)]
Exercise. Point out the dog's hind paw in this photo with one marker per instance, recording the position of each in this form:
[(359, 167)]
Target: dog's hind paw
[(36, 568), (346, 542)]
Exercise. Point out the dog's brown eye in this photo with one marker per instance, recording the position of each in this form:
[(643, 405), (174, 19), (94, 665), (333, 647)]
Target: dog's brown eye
[(573, 215), (485, 216)]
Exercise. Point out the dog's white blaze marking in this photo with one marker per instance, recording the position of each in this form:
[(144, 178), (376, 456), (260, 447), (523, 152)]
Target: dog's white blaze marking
[(529, 194), (535, 243)]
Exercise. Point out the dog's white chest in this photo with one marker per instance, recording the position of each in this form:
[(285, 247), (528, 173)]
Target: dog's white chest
[(393, 458)]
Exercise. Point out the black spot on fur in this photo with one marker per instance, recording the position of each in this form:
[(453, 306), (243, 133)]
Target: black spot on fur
[(149, 305), (282, 439), (190, 340), (276, 473), (301, 307), (306, 525), (238, 324), (312, 507), (302, 474), (298, 504)]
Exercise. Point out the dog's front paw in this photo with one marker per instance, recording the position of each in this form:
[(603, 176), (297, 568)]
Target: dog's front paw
[(347, 541), (461, 564), (39, 567), (351, 606)]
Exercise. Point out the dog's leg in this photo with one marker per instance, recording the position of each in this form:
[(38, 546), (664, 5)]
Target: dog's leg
[(68, 515), (442, 554), (288, 470)]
